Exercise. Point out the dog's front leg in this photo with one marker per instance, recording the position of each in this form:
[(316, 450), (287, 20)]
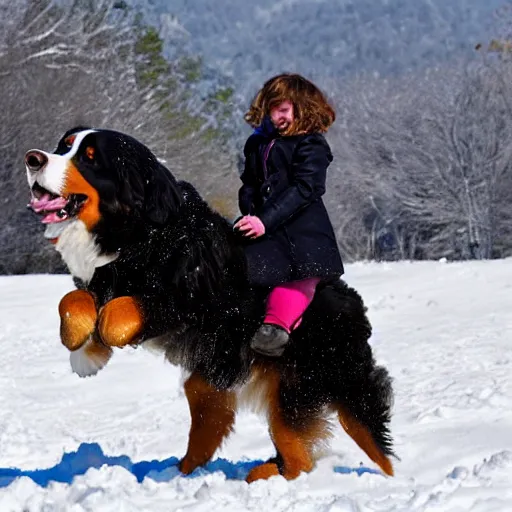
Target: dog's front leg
[(130, 320), (121, 322), (78, 317)]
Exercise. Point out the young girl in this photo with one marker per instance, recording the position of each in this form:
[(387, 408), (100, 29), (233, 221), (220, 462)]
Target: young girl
[(286, 160)]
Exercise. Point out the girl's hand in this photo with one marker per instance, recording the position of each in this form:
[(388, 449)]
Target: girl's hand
[(250, 226)]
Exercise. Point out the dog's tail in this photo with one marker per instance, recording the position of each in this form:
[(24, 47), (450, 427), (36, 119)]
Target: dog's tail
[(365, 415), (361, 392)]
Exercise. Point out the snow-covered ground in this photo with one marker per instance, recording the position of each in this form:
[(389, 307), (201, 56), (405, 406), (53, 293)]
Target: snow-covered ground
[(444, 330)]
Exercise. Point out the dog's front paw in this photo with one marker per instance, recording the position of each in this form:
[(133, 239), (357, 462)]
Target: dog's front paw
[(120, 322), (78, 316), (90, 358)]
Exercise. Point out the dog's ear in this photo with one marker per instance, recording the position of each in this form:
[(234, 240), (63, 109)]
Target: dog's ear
[(143, 185), (162, 197)]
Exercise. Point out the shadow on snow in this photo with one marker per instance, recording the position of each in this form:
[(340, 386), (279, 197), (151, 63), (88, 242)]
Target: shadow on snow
[(90, 455)]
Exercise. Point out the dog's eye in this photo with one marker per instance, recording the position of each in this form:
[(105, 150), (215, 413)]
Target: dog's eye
[(69, 140), (89, 152)]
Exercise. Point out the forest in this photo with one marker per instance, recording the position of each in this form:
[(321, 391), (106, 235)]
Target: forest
[(423, 94)]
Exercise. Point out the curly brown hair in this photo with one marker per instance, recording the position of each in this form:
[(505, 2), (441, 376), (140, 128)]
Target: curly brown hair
[(312, 111)]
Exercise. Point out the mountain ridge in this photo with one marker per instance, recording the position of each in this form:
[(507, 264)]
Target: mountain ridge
[(322, 38)]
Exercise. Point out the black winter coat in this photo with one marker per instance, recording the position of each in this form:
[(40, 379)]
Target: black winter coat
[(283, 183)]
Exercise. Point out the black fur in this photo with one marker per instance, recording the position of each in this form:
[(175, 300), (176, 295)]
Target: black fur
[(187, 269)]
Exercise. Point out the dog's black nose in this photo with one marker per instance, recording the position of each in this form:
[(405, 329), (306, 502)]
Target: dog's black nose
[(35, 160)]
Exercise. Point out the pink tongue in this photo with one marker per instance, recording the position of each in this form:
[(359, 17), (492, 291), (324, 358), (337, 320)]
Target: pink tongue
[(53, 217), (45, 203)]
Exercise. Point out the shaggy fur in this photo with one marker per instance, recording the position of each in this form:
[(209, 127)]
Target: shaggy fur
[(183, 269)]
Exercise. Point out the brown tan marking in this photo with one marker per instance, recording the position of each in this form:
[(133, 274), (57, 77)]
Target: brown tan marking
[(360, 434), (89, 152), (69, 140), (213, 415), (75, 183), (262, 472), (120, 322), (78, 315)]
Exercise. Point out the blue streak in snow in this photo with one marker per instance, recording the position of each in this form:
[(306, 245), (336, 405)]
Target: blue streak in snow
[(90, 455)]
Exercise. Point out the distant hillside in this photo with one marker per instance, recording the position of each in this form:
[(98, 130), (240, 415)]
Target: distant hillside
[(249, 41)]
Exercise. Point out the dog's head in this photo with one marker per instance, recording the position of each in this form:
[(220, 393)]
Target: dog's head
[(95, 175)]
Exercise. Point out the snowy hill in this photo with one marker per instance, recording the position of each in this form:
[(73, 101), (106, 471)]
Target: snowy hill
[(442, 329)]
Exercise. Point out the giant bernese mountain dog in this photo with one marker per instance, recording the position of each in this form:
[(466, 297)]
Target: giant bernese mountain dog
[(155, 265)]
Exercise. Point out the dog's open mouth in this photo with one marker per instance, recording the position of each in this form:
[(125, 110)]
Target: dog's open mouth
[(54, 209)]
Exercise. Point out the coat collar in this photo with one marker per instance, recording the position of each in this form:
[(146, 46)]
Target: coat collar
[(266, 129)]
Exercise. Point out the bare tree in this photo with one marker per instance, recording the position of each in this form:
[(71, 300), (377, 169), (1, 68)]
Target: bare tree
[(75, 62), (433, 154)]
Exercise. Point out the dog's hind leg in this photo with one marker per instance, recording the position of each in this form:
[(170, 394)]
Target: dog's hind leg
[(362, 436), (213, 415), (293, 437)]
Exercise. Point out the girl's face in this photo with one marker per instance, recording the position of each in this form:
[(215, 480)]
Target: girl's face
[(282, 115)]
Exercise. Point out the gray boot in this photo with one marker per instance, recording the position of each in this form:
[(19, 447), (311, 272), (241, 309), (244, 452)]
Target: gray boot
[(270, 340)]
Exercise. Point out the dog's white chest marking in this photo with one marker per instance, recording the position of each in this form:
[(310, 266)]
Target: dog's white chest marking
[(80, 252)]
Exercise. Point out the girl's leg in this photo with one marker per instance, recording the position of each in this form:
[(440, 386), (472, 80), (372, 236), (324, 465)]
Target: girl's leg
[(287, 302), (285, 306)]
